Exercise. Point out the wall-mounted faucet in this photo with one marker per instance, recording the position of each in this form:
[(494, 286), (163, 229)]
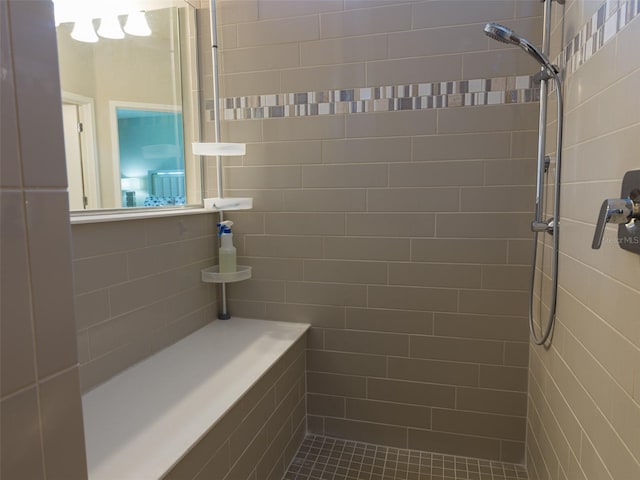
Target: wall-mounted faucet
[(623, 211)]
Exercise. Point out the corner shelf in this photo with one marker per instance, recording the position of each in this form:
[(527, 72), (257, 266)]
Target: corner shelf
[(228, 203), (212, 275), (214, 149)]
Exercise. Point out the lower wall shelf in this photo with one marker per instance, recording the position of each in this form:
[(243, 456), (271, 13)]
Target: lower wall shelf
[(212, 275)]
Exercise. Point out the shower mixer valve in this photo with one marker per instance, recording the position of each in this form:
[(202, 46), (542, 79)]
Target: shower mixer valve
[(623, 211)]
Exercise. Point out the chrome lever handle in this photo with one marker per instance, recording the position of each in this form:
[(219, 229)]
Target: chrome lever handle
[(614, 210)]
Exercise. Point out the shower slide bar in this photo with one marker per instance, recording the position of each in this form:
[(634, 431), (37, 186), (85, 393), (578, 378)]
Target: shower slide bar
[(548, 71)]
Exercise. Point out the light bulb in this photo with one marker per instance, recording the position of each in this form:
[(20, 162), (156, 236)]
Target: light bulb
[(137, 24), (83, 31), (110, 28)]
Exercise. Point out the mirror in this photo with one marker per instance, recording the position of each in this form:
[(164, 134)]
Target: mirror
[(128, 74)]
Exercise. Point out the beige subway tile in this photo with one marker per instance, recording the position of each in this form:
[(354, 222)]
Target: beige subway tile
[(362, 22), (528, 8), (435, 174), (366, 432), (489, 327), (513, 452), (346, 363), (273, 57), (269, 32), (516, 354), (21, 456), (381, 224), (497, 199), (292, 8), (263, 200), (325, 405), (119, 331), (62, 428), (49, 243), (304, 128), (497, 63), (434, 275), (405, 123), (251, 424), (627, 57), (284, 246), (444, 13), (326, 294), (458, 350), (491, 401), (488, 118), (338, 176), (262, 177), (503, 378), (510, 172), (432, 199), (323, 77), (273, 268), (433, 371), (249, 83), (99, 272), (416, 393), (344, 50), (505, 277), (244, 309), (493, 302), (519, 252), (178, 305), (260, 290), (481, 424), (485, 251), (283, 153), (245, 465), (128, 296), (394, 321), (388, 413), (436, 41), (228, 37), (91, 239), (366, 342), (241, 130), (367, 150), (483, 225), (593, 76), (440, 68), (453, 444), (33, 44), (591, 462), (413, 298), (345, 271), (234, 11), (270, 466), (524, 144), (316, 315), (83, 346), (332, 384), (355, 248), (342, 200), (9, 156), (16, 332), (165, 230), (468, 146)]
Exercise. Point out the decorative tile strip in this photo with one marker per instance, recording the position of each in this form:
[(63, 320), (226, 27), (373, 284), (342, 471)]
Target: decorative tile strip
[(604, 24), (418, 96)]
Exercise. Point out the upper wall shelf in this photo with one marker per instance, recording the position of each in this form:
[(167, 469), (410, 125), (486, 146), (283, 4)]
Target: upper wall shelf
[(228, 203), (215, 149)]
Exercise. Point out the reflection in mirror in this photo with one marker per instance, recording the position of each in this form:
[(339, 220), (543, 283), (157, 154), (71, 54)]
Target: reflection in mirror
[(129, 89)]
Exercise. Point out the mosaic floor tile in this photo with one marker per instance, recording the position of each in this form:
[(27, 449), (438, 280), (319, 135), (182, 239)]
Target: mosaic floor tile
[(323, 458)]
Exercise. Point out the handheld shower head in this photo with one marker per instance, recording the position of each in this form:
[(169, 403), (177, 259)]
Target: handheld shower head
[(506, 35)]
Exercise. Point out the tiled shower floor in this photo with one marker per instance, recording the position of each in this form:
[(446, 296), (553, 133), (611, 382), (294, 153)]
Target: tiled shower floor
[(331, 459)]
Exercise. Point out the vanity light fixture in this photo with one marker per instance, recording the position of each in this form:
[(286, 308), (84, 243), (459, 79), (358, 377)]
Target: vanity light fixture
[(137, 24), (110, 28), (83, 31)]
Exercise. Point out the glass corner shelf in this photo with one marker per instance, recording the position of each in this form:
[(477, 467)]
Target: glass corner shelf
[(212, 274)]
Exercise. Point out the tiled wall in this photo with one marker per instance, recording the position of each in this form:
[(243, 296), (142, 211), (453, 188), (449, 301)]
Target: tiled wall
[(41, 432), (402, 235), (584, 392), (259, 436), (138, 289)]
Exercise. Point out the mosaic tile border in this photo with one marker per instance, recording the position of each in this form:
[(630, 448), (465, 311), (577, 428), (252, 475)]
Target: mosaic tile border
[(327, 458), (418, 96), (611, 17)]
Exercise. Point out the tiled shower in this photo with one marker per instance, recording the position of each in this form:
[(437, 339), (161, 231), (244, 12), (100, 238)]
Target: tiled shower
[(391, 158)]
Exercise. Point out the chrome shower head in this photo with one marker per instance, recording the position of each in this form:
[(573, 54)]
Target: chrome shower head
[(506, 35)]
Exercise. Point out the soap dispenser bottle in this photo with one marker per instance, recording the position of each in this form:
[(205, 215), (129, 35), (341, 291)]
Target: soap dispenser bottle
[(227, 252)]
